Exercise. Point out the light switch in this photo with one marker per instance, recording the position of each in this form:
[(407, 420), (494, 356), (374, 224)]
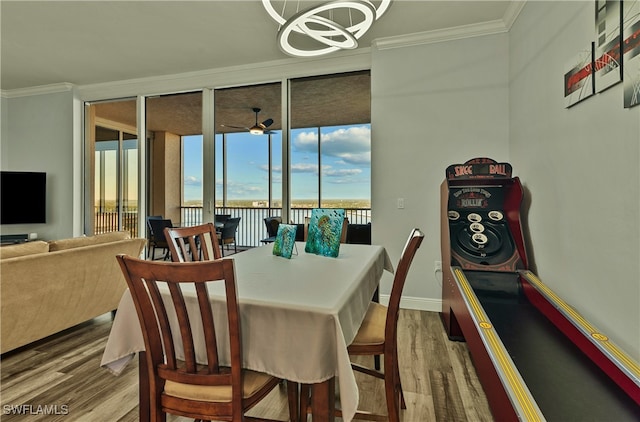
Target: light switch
[(400, 203)]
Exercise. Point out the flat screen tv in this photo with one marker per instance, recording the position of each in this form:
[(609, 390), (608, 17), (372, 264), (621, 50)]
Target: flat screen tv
[(23, 197)]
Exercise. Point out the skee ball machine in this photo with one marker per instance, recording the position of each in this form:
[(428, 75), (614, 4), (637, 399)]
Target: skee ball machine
[(536, 357)]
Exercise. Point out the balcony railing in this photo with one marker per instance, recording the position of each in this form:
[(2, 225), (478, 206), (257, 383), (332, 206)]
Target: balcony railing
[(250, 231), (107, 221), (252, 228)]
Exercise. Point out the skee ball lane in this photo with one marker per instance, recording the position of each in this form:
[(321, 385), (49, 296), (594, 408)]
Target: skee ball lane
[(537, 357)]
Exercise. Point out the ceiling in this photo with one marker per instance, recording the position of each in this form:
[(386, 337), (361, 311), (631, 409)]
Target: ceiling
[(91, 42), (88, 42)]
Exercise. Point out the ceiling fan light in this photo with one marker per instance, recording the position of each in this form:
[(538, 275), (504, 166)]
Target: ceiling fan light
[(256, 130)]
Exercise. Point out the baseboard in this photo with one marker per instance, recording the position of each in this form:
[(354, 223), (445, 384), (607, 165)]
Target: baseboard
[(417, 303)]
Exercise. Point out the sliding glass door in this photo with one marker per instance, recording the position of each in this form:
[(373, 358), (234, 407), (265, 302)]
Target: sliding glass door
[(114, 168)]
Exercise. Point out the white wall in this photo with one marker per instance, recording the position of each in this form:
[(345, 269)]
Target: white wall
[(38, 135), (580, 166), (4, 110), (432, 105)]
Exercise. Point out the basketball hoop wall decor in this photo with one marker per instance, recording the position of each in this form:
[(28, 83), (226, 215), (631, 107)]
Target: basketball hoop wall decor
[(615, 55), (325, 27)]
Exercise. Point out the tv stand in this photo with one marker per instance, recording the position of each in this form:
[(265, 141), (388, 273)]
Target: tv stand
[(13, 238)]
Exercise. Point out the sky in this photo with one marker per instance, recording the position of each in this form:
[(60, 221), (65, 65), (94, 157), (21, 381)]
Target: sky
[(345, 164)]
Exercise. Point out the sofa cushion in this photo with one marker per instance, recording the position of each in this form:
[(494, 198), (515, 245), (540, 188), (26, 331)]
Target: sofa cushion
[(76, 242), (21, 249)]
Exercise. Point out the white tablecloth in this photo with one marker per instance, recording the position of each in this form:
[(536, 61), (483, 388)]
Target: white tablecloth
[(297, 315)]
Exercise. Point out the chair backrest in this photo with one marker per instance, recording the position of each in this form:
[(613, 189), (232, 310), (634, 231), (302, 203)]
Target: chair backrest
[(149, 230), (148, 281), (300, 232), (272, 224), (359, 234), (408, 252), (343, 233), (196, 243), (307, 220), (229, 229), (157, 227), (221, 218)]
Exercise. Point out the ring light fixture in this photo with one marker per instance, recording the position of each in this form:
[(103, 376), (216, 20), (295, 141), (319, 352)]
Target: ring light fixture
[(325, 30)]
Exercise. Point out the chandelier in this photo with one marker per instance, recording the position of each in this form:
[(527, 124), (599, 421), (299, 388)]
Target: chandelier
[(325, 28)]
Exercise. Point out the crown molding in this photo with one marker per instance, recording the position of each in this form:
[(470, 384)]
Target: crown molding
[(455, 33), (37, 90), (512, 13), (441, 35)]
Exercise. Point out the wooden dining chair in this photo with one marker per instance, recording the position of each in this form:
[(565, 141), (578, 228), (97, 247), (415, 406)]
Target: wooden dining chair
[(195, 243), (377, 335), (201, 390), (378, 332)]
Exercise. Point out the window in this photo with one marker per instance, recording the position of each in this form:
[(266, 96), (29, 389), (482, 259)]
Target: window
[(249, 166), (331, 144), (329, 153), (192, 170)]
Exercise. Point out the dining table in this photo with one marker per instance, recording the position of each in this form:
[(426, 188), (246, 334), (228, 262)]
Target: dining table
[(298, 316)]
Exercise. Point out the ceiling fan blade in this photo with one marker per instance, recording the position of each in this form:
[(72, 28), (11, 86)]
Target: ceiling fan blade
[(257, 128), (236, 127)]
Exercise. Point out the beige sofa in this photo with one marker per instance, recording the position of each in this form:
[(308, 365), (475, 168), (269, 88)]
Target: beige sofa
[(47, 287)]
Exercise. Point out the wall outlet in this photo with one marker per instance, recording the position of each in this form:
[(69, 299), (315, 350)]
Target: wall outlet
[(437, 272)]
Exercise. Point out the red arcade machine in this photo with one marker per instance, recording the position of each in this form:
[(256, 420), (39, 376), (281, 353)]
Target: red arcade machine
[(537, 357)]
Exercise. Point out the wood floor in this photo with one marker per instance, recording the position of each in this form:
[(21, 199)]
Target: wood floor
[(62, 375)]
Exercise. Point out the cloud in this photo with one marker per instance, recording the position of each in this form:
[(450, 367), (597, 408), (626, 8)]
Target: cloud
[(351, 145), (275, 169), (327, 171), (360, 159), (238, 189), (192, 181), (340, 172), (304, 168)]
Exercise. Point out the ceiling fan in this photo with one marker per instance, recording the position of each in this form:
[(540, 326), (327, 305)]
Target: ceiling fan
[(257, 128)]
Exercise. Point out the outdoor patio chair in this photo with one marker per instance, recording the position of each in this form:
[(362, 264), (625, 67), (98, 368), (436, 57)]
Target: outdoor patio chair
[(227, 235), (272, 224), (156, 227)]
